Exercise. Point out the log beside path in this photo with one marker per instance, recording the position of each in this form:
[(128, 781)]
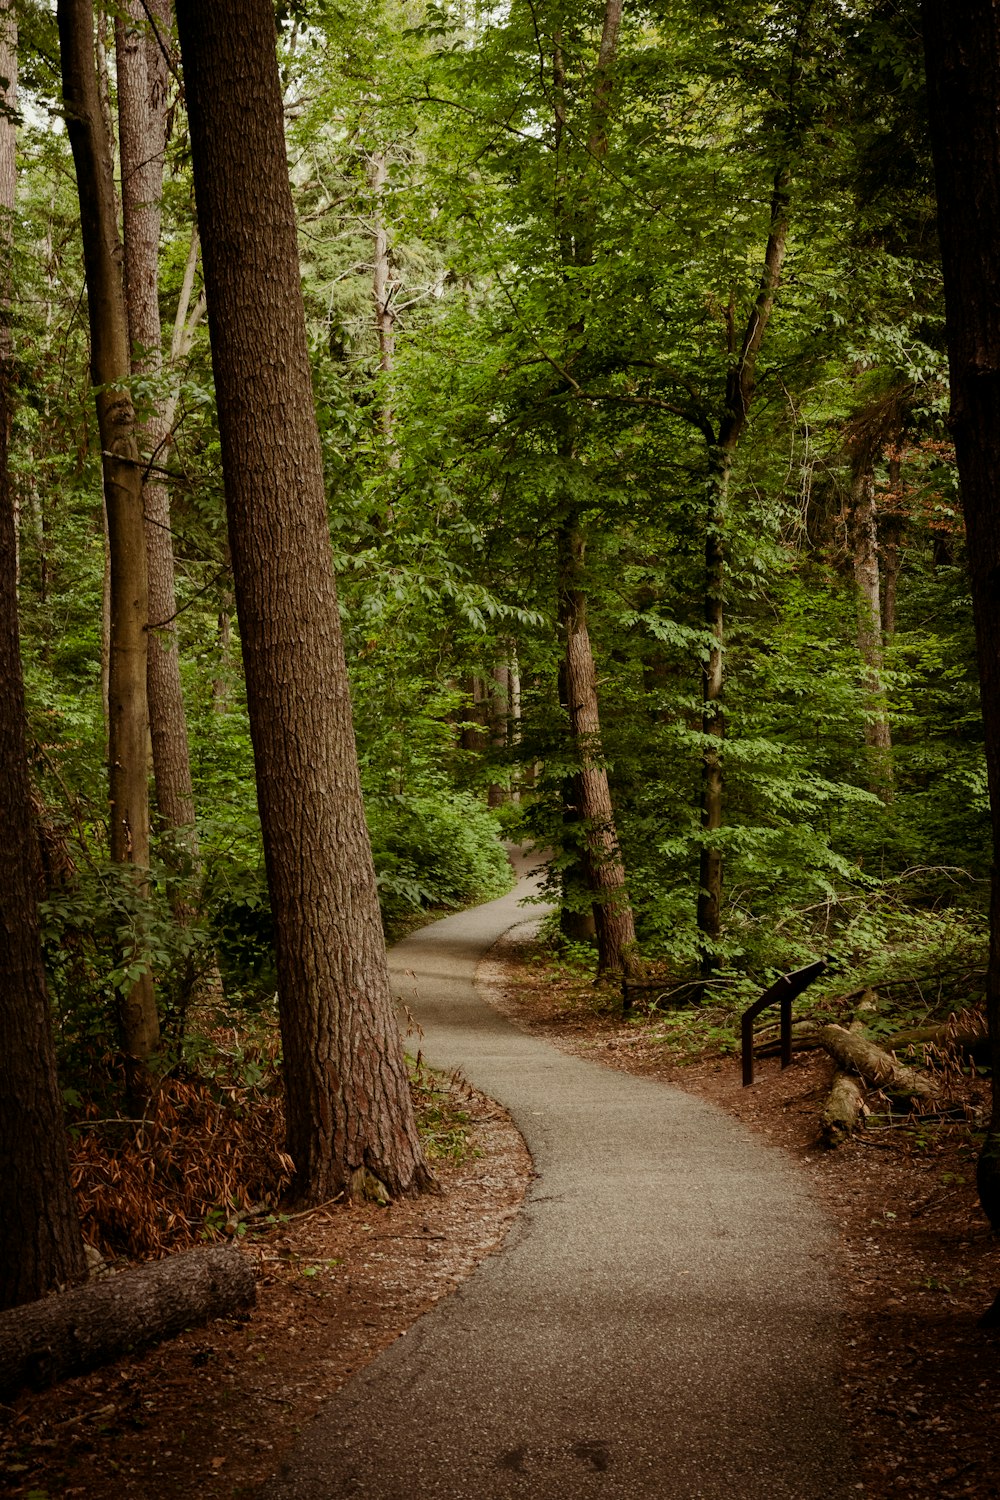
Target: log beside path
[(854, 1053), (845, 1103), (78, 1330), (661, 1320)]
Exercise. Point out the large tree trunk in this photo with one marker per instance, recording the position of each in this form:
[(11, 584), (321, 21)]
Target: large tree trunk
[(89, 1327), (347, 1097), (40, 1244), (110, 366), (617, 948), (962, 44), (142, 117)]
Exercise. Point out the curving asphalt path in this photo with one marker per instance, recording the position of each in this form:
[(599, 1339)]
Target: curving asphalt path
[(660, 1322)]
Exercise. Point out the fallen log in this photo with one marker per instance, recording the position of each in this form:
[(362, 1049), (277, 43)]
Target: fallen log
[(845, 1102), (853, 1053), (966, 1032), (70, 1332), (805, 1034), (843, 1110)]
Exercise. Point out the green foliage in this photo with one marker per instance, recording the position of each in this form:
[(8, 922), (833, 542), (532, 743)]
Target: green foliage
[(564, 326), (442, 1119), (435, 851), (242, 929), (100, 931)]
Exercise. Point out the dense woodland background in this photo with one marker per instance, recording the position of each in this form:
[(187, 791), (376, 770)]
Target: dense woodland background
[(627, 341)]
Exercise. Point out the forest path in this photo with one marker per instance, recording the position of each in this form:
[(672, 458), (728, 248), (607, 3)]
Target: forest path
[(660, 1322)]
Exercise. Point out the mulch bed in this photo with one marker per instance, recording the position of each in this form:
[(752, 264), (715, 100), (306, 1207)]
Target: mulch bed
[(213, 1412)]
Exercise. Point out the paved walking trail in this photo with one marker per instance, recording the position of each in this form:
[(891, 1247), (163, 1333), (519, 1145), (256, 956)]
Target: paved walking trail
[(660, 1322)]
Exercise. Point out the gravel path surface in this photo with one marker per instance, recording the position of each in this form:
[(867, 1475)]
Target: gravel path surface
[(661, 1321)]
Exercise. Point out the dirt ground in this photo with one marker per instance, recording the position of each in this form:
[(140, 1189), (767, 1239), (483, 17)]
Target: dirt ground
[(214, 1411)]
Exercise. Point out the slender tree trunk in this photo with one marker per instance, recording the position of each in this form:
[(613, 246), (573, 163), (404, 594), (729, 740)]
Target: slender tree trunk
[(741, 385), (891, 530), (39, 532), (347, 1096), (891, 546), (890, 550), (713, 717), (383, 291), (474, 735), (942, 554), (106, 633), (142, 117), (588, 812), (514, 679), (40, 1243), (617, 948), (498, 794), (962, 45), (128, 737), (577, 923), (187, 318), (878, 734)]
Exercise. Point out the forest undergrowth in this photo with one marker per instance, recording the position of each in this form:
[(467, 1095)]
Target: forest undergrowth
[(215, 1409)]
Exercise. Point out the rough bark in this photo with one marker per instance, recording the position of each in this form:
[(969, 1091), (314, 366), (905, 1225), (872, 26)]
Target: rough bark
[(40, 1244), (855, 1054), (347, 1098), (142, 126), (115, 1314), (110, 367), (842, 1111), (844, 1105), (617, 948), (962, 46)]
